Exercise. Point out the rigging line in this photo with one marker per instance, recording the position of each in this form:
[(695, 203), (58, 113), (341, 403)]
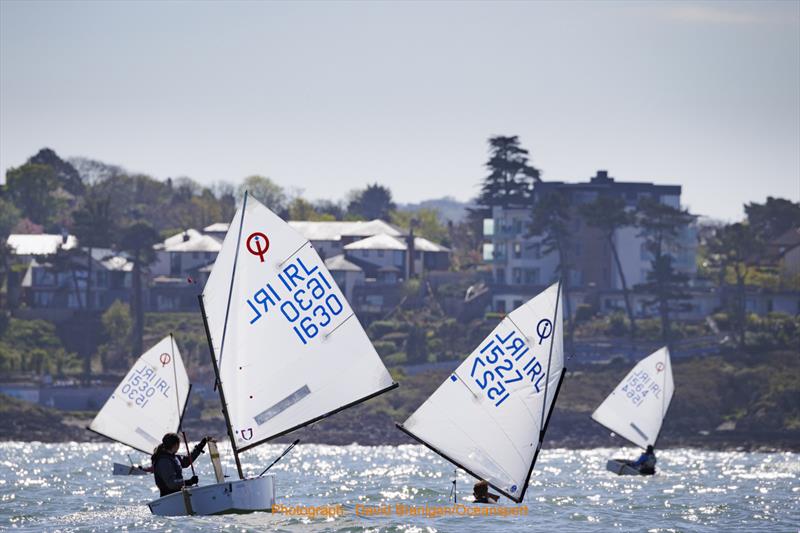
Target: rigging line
[(549, 360), (340, 324), (281, 456), (175, 375), (293, 254), (233, 277)]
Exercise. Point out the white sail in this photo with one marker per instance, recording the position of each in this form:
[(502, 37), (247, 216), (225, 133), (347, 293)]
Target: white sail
[(636, 408), (288, 346), (489, 416), (149, 401)]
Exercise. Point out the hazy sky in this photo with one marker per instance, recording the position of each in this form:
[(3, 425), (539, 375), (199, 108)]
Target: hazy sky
[(330, 96)]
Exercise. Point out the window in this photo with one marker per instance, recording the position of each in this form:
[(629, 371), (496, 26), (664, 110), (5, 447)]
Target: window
[(488, 227), (531, 276), (500, 275), (101, 278), (500, 306), (118, 280), (500, 250), (174, 264), (43, 277), (488, 251), (42, 299), (516, 276), (517, 250), (518, 303)]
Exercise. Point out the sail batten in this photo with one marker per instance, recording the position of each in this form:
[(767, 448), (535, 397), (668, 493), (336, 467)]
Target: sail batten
[(636, 408), (150, 400), (492, 423), (294, 351)]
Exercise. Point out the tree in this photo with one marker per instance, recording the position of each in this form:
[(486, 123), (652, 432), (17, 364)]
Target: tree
[(265, 191), (68, 260), (373, 202), (328, 207), (301, 209), (117, 325), (661, 226), (772, 218), (138, 240), (426, 224), (66, 175), (608, 214), (30, 188), (416, 345), (9, 217), (550, 220), (731, 250), (511, 178), (93, 225)]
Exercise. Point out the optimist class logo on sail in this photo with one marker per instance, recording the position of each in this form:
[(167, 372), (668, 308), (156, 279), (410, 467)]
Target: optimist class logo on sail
[(302, 293)]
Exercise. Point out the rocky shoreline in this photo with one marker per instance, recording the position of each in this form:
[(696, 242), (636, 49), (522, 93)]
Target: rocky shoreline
[(34, 423)]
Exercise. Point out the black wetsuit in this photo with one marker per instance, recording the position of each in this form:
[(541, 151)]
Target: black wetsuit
[(168, 469)]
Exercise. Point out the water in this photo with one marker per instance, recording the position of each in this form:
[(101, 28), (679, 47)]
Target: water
[(68, 487)]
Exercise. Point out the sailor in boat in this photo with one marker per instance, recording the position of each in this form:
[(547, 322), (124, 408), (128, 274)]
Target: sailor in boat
[(481, 494), (168, 466), (646, 463)]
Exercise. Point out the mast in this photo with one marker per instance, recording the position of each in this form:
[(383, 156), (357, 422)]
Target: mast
[(543, 425), (668, 358), (222, 343), (219, 388), (546, 421), (175, 375)]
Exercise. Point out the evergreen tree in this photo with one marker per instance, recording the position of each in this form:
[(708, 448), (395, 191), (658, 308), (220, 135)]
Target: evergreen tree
[(511, 177), (550, 220), (661, 226), (772, 218), (733, 250), (93, 225), (138, 240), (30, 187), (373, 202), (608, 214)]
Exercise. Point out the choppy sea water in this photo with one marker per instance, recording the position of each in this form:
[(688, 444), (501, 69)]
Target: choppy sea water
[(69, 487)]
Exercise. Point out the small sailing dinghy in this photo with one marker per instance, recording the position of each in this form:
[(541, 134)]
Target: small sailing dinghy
[(490, 416), (149, 402), (286, 348), (635, 409)]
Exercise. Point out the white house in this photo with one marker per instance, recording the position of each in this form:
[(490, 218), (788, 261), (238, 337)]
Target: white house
[(184, 252)]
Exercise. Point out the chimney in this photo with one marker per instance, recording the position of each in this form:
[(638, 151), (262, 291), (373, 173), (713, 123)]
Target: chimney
[(185, 235), (602, 176)]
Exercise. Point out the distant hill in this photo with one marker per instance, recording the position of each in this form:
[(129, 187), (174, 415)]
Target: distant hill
[(448, 208)]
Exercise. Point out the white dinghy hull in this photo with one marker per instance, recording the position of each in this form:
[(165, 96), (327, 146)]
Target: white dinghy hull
[(129, 470), (622, 468), (241, 496)]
